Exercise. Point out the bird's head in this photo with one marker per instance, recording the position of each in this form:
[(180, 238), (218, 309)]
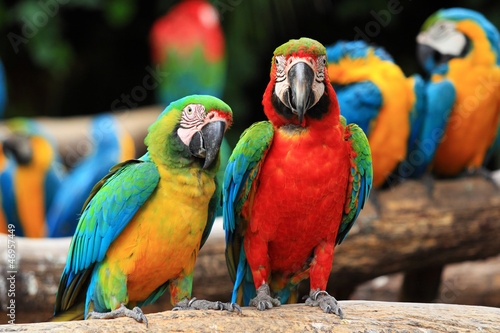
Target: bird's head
[(299, 83), (190, 132), (454, 33)]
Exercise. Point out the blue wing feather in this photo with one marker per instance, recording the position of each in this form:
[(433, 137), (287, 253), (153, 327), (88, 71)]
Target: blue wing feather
[(242, 169), (359, 103), (361, 180), (129, 185), (439, 102)]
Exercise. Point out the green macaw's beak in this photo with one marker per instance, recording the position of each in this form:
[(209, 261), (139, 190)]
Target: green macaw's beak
[(301, 78), (206, 143)]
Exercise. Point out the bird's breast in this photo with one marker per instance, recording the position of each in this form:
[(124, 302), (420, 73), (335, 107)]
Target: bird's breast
[(302, 185), (163, 238)]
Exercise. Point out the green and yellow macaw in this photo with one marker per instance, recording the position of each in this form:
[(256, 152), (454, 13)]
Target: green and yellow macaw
[(144, 223)]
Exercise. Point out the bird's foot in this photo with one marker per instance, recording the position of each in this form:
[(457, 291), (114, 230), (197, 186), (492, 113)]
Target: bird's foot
[(326, 302), (136, 313), (484, 173), (429, 183), (263, 300), (198, 304)]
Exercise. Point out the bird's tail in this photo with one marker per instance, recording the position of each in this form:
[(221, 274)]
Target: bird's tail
[(76, 312)]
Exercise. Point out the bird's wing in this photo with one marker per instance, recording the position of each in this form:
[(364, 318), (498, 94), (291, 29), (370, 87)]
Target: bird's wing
[(360, 103), (360, 179), (243, 168), (439, 101), (417, 112), (110, 206)]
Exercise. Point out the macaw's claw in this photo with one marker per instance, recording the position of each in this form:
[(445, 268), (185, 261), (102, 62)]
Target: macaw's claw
[(136, 313), (232, 307), (196, 304), (484, 173), (326, 302), (263, 300)]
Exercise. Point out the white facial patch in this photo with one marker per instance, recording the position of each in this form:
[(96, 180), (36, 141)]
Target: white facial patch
[(443, 37), (192, 119), (283, 65)]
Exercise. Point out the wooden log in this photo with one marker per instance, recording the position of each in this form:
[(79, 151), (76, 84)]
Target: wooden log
[(472, 283), (359, 317), (460, 223)]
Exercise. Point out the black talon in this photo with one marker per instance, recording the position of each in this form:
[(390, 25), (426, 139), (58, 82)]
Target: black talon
[(341, 314), (237, 307)]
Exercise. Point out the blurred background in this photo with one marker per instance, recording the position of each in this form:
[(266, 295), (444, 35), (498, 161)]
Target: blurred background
[(65, 58)]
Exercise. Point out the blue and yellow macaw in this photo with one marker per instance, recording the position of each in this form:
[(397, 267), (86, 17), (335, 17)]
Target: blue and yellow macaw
[(460, 50), (143, 224), (31, 174), (111, 145), (374, 93)]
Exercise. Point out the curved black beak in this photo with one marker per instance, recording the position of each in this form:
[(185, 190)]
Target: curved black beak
[(301, 78), (206, 143), (20, 147), (424, 52)]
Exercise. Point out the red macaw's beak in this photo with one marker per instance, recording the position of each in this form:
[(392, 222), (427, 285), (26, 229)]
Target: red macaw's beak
[(301, 98), (206, 142)]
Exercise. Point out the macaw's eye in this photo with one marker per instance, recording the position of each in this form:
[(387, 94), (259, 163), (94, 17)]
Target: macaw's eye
[(276, 61), (190, 110)]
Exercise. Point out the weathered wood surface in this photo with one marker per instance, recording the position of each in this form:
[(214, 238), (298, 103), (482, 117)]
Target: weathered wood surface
[(460, 223), (359, 317)]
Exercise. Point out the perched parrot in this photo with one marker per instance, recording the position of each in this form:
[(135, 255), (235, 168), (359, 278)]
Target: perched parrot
[(374, 93), (143, 224), (188, 44), (294, 185), (460, 50), (111, 145), (31, 174)]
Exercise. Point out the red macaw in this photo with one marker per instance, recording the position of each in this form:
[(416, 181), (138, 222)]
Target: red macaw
[(294, 184)]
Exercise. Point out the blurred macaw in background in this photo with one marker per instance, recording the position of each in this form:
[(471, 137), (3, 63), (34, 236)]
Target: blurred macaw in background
[(188, 44), (460, 50), (31, 174), (294, 185), (143, 224), (374, 93), (111, 144)]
